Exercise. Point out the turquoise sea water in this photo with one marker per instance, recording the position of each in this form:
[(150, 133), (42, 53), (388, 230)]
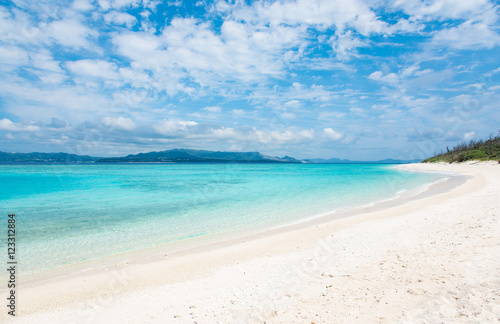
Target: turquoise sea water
[(70, 213)]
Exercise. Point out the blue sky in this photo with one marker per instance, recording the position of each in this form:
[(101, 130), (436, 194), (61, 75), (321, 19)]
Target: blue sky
[(307, 78)]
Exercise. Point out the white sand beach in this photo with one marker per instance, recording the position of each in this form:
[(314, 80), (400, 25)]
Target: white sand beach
[(429, 260)]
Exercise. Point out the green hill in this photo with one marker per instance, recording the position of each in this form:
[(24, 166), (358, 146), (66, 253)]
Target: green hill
[(198, 156), (482, 150), (44, 158)]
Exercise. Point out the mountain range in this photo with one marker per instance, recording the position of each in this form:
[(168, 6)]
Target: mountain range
[(190, 156), (174, 156), (44, 158)]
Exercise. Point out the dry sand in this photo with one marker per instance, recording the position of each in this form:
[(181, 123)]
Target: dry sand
[(430, 260)]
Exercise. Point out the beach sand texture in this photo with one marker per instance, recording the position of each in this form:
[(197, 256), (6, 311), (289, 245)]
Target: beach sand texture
[(429, 260)]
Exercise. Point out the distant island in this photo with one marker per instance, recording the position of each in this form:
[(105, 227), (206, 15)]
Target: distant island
[(44, 158), (481, 150), (198, 156), (175, 156)]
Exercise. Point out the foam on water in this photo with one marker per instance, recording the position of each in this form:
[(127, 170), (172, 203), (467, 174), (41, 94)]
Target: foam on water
[(71, 213)]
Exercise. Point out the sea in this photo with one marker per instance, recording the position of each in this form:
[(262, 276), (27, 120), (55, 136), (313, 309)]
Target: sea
[(69, 214)]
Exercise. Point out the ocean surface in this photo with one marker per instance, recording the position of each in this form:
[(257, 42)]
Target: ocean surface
[(66, 214)]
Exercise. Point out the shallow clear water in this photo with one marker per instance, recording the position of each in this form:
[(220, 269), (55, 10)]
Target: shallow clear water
[(69, 213)]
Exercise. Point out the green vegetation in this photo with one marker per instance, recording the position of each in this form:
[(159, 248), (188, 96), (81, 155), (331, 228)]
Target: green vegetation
[(44, 158), (198, 156), (482, 150)]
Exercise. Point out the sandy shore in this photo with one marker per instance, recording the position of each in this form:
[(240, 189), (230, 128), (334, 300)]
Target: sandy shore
[(430, 260)]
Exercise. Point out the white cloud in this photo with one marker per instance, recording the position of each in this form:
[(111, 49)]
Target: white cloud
[(475, 85), (423, 72), (11, 57), (94, 68), (288, 115), (321, 13), (356, 110), (468, 35), (333, 134), (433, 134), (409, 71), (345, 44), (293, 104), (255, 42), (43, 60), (331, 114), (469, 136), (176, 3), (286, 136), (82, 5), (495, 71), (213, 109), (16, 27), (189, 48), (224, 132), (171, 127), (48, 77), (70, 32), (239, 112), (390, 78), (74, 103), (443, 9), (7, 124), (123, 123), (118, 4), (313, 92), (120, 18)]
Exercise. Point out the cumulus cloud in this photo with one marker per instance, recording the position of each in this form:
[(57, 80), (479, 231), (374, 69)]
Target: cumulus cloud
[(118, 4), (333, 134), (120, 18), (345, 44), (70, 32), (172, 127), (123, 123), (94, 68), (469, 35), (43, 60), (286, 136), (443, 9), (7, 124), (391, 78), (224, 132), (82, 5), (322, 13)]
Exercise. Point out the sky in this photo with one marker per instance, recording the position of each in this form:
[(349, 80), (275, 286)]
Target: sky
[(353, 79)]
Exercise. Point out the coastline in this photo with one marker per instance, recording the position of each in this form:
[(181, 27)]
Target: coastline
[(215, 241), (111, 287), (207, 242)]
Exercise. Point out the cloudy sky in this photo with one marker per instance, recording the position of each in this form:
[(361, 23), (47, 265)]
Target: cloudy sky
[(356, 79)]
